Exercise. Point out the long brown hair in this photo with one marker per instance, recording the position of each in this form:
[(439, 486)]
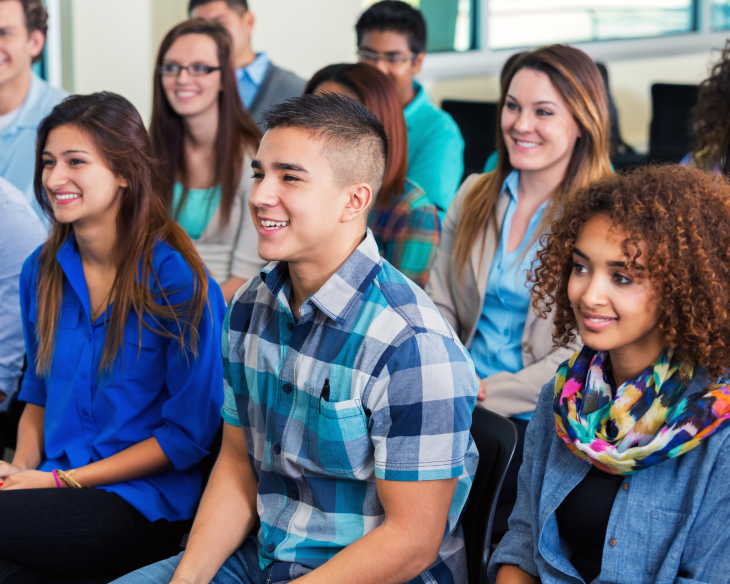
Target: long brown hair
[(117, 130), (237, 130), (377, 93), (575, 76)]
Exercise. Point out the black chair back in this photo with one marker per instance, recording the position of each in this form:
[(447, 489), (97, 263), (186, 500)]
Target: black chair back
[(495, 438), (477, 121), (669, 136)]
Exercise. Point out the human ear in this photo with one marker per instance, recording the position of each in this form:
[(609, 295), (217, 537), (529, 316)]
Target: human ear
[(418, 63), (36, 40), (249, 20), (360, 196), (123, 183)]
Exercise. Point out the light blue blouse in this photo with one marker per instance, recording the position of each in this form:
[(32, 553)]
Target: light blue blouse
[(497, 344), (198, 210)]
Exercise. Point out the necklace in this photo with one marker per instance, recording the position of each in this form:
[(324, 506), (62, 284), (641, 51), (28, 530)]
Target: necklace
[(103, 305)]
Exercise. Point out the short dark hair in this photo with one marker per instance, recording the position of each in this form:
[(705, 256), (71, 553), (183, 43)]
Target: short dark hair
[(36, 18), (239, 6), (356, 144), (395, 16)]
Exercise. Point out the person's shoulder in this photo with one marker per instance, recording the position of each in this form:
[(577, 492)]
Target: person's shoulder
[(30, 265), (284, 77), (172, 269), (18, 220), (48, 96)]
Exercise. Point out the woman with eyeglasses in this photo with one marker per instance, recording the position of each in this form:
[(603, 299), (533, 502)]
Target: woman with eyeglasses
[(206, 141), (124, 385)]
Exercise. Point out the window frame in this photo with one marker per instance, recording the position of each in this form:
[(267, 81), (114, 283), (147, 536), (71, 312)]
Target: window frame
[(486, 61)]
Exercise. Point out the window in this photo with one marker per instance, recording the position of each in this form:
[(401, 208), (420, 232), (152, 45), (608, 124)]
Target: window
[(524, 23), (720, 14), (451, 23)]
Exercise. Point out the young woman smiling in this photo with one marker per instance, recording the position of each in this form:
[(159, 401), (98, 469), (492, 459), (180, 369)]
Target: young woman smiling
[(207, 140), (553, 135), (627, 458), (122, 330)]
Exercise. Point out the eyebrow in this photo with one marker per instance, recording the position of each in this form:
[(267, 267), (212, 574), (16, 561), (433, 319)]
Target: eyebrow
[(46, 153), (535, 103), (613, 264), (280, 166), (366, 48)]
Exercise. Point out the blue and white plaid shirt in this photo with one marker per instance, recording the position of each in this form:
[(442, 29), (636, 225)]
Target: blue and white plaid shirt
[(401, 392)]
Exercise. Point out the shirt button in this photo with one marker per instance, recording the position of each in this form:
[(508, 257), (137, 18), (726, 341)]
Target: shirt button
[(625, 486), (84, 376), (277, 449), (612, 542), (290, 326), (270, 548), (287, 388), (294, 496)]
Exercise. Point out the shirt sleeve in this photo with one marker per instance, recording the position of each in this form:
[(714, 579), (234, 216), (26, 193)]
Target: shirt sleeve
[(421, 409), (438, 166), (414, 242), (190, 417), (229, 411), (33, 390)]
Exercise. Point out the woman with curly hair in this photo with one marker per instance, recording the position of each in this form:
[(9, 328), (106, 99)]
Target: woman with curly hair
[(711, 116), (627, 457)]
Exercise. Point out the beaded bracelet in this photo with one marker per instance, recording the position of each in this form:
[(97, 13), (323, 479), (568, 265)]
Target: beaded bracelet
[(55, 476)]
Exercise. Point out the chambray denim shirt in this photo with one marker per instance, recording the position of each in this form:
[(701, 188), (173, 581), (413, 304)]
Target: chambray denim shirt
[(669, 522)]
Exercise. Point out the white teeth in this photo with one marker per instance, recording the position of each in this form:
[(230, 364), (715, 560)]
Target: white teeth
[(527, 144), (273, 224), (67, 197), (600, 319)]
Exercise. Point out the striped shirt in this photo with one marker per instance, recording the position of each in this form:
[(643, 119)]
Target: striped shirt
[(408, 232), (370, 382)]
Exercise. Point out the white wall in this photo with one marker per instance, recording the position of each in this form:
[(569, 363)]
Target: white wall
[(114, 44)]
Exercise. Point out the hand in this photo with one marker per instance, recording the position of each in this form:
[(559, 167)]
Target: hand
[(6, 469), (3, 396), (482, 394), (28, 479)]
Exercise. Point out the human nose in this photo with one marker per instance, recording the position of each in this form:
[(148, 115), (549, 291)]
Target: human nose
[(523, 123), (383, 66), (595, 292), (263, 194), (55, 176)]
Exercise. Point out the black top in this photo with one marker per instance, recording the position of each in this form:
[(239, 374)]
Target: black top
[(583, 520)]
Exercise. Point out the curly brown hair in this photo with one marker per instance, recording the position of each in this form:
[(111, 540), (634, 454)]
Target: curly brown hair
[(711, 114), (682, 214)]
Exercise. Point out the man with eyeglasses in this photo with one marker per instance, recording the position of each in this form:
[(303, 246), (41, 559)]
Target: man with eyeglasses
[(261, 84), (25, 99), (391, 35)]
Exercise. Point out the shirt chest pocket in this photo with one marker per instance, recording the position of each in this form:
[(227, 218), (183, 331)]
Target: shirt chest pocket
[(338, 441), (666, 540), (68, 342), (145, 360)]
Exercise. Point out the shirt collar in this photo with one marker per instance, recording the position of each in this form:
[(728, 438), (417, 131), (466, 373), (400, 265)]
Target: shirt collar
[(341, 292), (255, 70), (421, 98), (512, 183), (70, 261)]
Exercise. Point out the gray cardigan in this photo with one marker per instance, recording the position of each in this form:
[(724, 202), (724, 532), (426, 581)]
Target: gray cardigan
[(277, 86)]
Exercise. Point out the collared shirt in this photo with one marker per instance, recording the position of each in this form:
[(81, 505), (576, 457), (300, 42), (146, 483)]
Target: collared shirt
[(435, 150), (21, 231), (370, 382), (17, 140), (669, 522), (497, 344), (250, 78), (408, 232), (152, 390)]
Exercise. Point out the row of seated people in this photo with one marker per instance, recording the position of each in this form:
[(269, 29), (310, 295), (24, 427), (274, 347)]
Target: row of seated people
[(346, 397), (515, 197)]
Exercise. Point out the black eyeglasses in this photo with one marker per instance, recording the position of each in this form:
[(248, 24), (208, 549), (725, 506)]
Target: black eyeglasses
[(373, 57), (194, 70)]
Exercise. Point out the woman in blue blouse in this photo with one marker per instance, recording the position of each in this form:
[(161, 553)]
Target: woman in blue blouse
[(124, 383), (627, 458)]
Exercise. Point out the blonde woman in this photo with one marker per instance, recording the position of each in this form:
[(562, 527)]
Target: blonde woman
[(553, 136)]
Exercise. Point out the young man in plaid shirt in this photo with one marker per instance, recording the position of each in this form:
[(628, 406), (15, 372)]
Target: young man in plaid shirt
[(346, 450)]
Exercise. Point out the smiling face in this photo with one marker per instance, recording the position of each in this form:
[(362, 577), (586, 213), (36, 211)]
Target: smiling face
[(616, 310), (188, 95), (78, 182), (538, 127), (302, 213), (18, 47)]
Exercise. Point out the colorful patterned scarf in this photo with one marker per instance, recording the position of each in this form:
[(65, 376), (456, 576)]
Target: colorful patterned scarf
[(646, 420)]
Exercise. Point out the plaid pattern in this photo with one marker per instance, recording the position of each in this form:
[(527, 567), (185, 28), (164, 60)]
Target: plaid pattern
[(408, 233), (402, 389)]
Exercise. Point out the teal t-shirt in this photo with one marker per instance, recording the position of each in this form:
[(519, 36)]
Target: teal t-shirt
[(198, 209), (435, 150)]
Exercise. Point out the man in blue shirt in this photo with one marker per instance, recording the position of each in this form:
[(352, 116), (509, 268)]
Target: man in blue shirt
[(21, 231), (260, 82), (25, 99), (346, 449), (391, 35)]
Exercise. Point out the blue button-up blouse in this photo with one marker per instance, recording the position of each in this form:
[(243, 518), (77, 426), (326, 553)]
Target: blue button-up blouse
[(669, 522), (152, 390)]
